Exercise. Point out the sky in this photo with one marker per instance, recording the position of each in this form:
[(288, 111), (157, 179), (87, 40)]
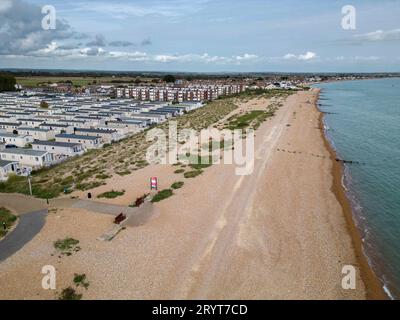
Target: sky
[(202, 35)]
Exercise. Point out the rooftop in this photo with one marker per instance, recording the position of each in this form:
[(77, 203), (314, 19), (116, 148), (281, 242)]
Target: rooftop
[(27, 152), (4, 163), (76, 136), (55, 144)]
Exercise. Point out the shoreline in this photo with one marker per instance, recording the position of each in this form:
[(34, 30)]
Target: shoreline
[(374, 288)]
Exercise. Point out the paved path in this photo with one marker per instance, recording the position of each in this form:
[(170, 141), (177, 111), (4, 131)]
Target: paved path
[(32, 217), (136, 216), (29, 224), (21, 203)]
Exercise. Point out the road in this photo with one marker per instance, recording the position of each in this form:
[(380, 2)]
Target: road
[(28, 226)]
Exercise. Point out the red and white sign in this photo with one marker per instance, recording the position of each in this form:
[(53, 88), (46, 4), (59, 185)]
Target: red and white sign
[(153, 183)]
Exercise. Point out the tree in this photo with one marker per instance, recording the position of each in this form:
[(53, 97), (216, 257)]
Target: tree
[(169, 78), (44, 105), (7, 82)]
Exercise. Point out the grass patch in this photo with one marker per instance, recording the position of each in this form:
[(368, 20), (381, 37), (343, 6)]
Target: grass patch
[(163, 194), (67, 246), (251, 119), (111, 194), (80, 280), (7, 219), (69, 294), (102, 176), (123, 173), (179, 171), (192, 174), (177, 185)]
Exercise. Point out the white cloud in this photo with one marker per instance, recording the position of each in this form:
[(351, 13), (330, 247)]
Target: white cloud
[(246, 57), (130, 56), (378, 35), (309, 55), (205, 58), (54, 50), (174, 8)]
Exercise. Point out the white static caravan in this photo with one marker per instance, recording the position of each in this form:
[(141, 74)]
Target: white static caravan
[(9, 126), (7, 168), (88, 142), (37, 133), (14, 139), (28, 157), (59, 149), (106, 135), (58, 128)]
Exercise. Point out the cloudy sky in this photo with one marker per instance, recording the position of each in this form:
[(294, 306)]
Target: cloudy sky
[(201, 35)]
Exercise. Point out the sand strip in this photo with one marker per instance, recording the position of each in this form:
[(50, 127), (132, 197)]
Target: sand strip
[(373, 285)]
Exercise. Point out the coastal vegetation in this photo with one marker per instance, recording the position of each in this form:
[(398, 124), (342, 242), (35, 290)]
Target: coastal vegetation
[(177, 185), (163, 194), (69, 294), (192, 174), (81, 280), (7, 220), (111, 194), (67, 246)]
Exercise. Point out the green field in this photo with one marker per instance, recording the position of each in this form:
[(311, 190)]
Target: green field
[(32, 82)]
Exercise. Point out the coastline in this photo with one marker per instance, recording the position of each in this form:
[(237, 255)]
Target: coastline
[(374, 288), (252, 231)]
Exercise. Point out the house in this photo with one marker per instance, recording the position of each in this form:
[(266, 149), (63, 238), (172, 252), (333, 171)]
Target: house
[(14, 139), (153, 117), (129, 125), (106, 135), (58, 128), (37, 133), (9, 126), (27, 157), (60, 150), (28, 122), (88, 142), (6, 168)]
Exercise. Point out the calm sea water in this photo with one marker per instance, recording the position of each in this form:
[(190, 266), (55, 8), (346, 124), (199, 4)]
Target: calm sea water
[(365, 126)]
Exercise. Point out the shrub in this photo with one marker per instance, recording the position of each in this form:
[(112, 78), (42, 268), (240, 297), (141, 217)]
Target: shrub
[(8, 218), (164, 194), (177, 185), (69, 294), (80, 280), (192, 174), (67, 246), (111, 194)]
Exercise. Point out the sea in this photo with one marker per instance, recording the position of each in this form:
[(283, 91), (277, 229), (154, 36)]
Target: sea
[(362, 123)]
